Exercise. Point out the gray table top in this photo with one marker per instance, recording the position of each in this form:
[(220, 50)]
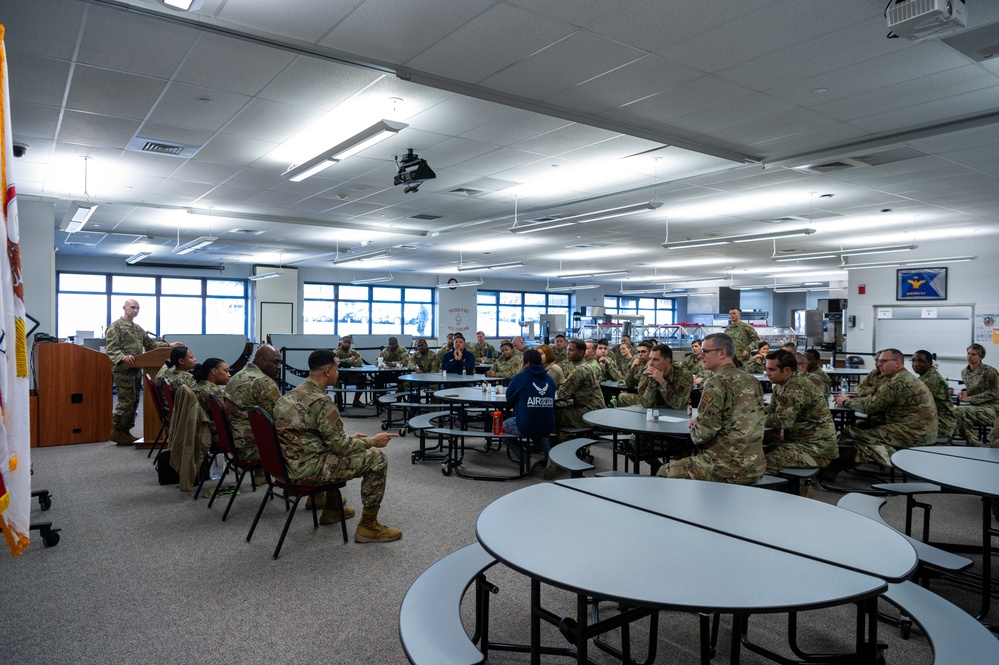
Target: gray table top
[(592, 545), (438, 377), (963, 474), (967, 452), (632, 420), (800, 526), (372, 369), (471, 396), (846, 371)]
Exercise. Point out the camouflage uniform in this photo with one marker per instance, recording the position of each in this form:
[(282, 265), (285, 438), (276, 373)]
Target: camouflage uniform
[(754, 366), (728, 431), (579, 394), (674, 393), (806, 434), (318, 451), (486, 350), (427, 363), (816, 381), (399, 356), (819, 375), (940, 390), (507, 368), (909, 417), (127, 339), (249, 387), (982, 385), (203, 390), (744, 337), (177, 378), (635, 398), (560, 357), (870, 383), (610, 371), (352, 358), (692, 364)]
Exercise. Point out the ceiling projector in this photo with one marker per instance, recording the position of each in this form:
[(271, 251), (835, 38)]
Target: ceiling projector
[(412, 171)]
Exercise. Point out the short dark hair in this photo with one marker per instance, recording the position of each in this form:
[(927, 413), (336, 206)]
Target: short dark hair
[(577, 344), (603, 341), (202, 370), (457, 335), (532, 357), (506, 343), (762, 343), (812, 354), (647, 343), (664, 351), (894, 354), (321, 358), (560, 335), (785, 359), (923, 352), (176, 354)]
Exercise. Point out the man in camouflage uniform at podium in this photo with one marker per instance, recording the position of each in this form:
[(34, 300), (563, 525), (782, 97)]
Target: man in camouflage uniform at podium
[(125, 340)]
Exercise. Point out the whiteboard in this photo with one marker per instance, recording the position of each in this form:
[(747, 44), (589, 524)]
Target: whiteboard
[(945, 331)]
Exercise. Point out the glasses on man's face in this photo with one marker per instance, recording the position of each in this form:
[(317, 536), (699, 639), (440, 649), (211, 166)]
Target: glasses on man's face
[(704, 351), (882, 361)]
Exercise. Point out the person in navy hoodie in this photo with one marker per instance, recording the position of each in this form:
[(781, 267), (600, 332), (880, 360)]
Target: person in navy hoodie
[(532, 394), (459, 359)]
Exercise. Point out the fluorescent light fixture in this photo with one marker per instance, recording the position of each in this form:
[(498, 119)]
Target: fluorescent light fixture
[(910, 262), (374, 280), (591, 273), (581, 287), (307, 222), (369, 256), (184, 5), (197, 243), (837, 253), (751, 237), (458, 285), (135, 258), (802, 289), (377, 132), (77, 215), (585, 218), (491, 266), (266, 275)]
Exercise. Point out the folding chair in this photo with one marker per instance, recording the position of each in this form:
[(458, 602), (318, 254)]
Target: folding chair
[(150, 387), (227, 449), (166, 409), (274, 465)]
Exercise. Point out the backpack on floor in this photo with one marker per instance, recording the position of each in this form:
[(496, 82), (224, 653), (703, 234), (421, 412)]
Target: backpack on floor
[(167, 474)]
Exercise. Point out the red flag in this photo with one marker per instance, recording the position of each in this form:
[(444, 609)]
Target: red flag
[(15, 436)]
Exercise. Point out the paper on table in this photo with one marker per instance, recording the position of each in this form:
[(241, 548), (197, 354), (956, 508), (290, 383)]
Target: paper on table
[(671, 419)]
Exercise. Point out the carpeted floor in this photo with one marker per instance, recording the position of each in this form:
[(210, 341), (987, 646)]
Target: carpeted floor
[(143, 574)]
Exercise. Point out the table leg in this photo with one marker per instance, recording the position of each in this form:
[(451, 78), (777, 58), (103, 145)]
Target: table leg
[(535, 621), (987, 534)]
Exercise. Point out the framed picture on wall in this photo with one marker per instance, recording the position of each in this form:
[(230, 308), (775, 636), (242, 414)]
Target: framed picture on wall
[(921, 284)]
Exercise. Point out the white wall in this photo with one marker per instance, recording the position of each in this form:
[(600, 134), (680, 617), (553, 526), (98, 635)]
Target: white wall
[(972, 283), (37, 222)]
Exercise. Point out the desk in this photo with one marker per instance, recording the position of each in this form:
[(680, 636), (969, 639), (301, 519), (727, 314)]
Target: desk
[(965, 470), (632, 420), (581, 537)]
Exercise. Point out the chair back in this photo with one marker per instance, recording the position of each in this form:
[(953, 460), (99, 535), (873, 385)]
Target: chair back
[(157, 401), (265, 436), (223, 430), (168, 394), (854, 361)]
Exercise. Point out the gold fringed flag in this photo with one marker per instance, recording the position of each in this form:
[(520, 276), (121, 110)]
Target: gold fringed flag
[(15, 436)]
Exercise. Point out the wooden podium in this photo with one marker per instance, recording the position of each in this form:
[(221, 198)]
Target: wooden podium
[(149, 363), (74, 394)]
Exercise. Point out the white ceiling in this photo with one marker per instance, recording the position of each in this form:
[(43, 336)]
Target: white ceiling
[(564, 107)]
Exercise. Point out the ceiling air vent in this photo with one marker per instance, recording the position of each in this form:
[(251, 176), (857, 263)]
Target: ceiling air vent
[(466, 191), (426, 217), (139, 144), (247, 232)]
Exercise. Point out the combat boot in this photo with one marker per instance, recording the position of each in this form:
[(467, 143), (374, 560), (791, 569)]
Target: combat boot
[(121, 437), (331, 515), (370, 531)]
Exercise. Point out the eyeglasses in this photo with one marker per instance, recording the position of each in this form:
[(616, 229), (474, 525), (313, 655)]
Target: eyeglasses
[(706, 351), (886, 360)]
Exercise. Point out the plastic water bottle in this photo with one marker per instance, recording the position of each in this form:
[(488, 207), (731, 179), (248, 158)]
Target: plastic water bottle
[(613, 402), (844, 385)]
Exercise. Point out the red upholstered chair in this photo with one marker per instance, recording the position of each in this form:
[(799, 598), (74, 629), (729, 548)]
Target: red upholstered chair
[(166, 409), (150, 387), (278, 484), (227, 449)]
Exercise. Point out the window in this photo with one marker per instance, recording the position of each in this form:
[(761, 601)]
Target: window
[(168, 305), (500, 312), (344, 309), (657, 311)]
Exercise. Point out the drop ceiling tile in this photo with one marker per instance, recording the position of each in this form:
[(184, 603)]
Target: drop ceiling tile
[(318, 84), (265, 120), (206, 172), (174, 134), (571, 137), (499, 37), (801, 143), (225, 196), (457, 115), (767, 129), (274, 199), (189, 106), (97, 130), (516, 126), (179, 190), (33, 120), (931, 112), (413, 27), (111, 34), (43, 28), (501, 159), (732, 114), (577, 58), (95, 90), (306, 21), (261, 179), (46, 83), (580, 13), (680, 100), (227, 149), (147, 164), (649, 24), (224, 63)]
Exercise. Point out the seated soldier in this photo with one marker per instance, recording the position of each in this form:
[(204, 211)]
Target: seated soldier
[(668, 384), (394, 355), (803, 434), (692, 363), (635, 376), (813, 360), (580, 393), (423, 360), (609, 370), (254, 385), (460, 360), (507, 364), (348, 357), (922, 365), (908, 417), (980, 396), (317, 451), (757, 363), (532, 394), (728, 429), (561, 344), (482, 350)]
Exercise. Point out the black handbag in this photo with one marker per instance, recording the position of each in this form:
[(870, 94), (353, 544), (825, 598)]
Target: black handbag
[(167, 474)]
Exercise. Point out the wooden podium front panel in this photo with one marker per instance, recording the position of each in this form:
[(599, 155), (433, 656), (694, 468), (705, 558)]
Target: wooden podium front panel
[(74, 394)]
